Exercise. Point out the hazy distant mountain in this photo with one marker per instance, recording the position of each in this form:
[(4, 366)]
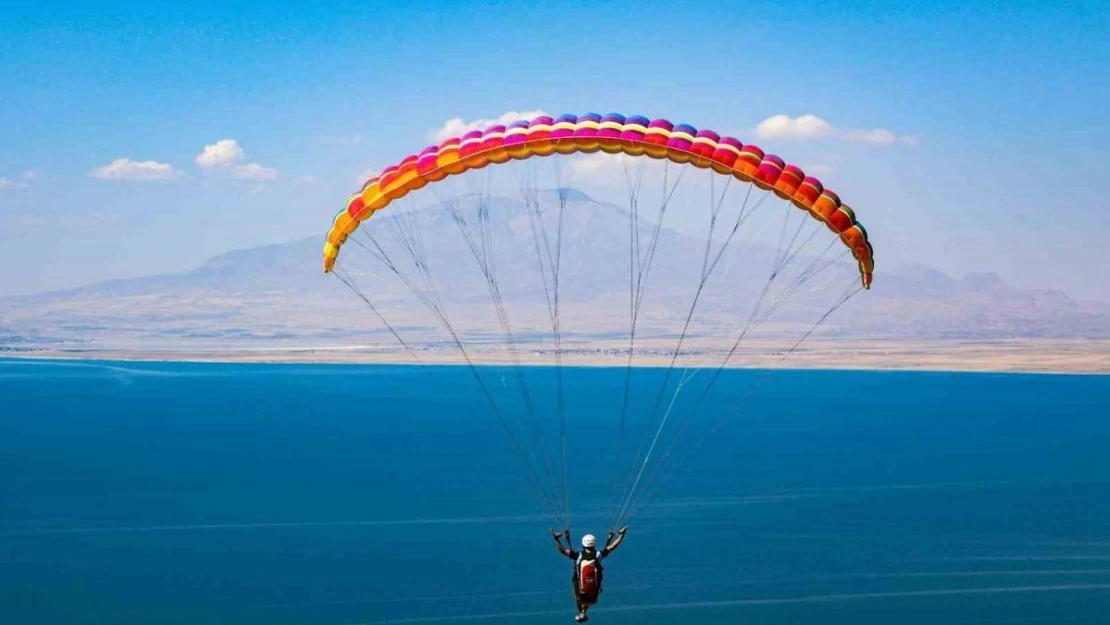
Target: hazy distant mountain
[(277, 294)]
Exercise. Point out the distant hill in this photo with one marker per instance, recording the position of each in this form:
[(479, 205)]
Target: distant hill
[(277, 295)]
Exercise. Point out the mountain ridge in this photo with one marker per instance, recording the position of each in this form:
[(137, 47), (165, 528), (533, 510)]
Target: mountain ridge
[(279, 292)]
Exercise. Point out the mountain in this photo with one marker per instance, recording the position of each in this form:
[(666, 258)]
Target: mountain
[(277, 295)]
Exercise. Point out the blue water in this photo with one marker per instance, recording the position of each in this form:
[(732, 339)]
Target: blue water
[(332, 495)]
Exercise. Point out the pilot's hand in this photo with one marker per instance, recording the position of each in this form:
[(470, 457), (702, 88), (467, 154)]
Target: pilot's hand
[(566, 533), (622, 531), (555, 535)]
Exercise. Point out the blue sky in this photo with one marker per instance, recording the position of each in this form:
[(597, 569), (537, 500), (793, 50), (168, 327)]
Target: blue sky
[(997, 112)]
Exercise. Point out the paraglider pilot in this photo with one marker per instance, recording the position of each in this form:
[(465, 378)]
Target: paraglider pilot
[(588, 570)]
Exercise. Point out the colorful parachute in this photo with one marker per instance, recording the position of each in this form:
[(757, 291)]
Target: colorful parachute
[(613, 133)]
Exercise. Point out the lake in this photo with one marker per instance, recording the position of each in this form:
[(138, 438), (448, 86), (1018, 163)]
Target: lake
[(177, 493)]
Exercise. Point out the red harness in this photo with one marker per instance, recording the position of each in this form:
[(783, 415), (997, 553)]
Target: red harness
[(589, 576)]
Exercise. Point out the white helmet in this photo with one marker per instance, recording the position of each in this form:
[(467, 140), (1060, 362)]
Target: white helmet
[(589, 541)]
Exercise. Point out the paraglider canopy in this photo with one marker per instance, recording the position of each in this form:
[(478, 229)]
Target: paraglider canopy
[(613, 133)]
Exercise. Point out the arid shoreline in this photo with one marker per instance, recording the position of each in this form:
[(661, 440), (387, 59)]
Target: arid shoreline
[(1013, 356)]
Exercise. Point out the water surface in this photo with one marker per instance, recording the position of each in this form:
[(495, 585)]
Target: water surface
[(332, 495)]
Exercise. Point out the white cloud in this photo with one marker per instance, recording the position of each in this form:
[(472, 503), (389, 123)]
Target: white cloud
[(254, 171), (811, 127), (24, 181), (226, 155), (785, 127), (127, 169), (222, 153), (818, 169), (456, 127)]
